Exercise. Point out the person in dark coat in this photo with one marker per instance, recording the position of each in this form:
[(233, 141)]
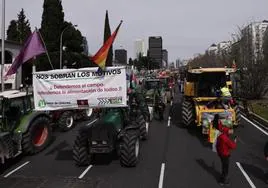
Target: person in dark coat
[(224, 146)]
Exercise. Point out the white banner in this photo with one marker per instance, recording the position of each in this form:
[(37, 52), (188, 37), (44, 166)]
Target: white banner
[(79, 88), (10, 79)]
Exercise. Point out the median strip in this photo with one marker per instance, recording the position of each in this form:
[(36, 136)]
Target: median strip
[(85, 171), (245, 175), (16, 169)]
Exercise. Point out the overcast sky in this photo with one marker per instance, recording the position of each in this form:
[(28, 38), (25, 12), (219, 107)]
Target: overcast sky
[(187, 26)]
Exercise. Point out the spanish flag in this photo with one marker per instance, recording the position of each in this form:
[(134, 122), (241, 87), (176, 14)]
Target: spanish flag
[(100, 57)]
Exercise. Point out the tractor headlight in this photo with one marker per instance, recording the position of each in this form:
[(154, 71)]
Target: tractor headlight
[(104, 142)]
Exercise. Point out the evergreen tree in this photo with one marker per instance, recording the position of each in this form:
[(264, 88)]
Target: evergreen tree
[(12, 31), (52, 24), (23, 26), (107, 34)]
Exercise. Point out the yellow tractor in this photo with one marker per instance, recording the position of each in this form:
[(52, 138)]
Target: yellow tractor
[(201, 99)]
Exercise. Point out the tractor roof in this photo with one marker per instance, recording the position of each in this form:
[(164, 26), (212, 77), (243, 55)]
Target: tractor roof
[(12, 94), (203, 70)]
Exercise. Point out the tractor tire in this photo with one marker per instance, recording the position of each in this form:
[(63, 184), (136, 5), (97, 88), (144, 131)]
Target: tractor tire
[(130, 148), (66, 121), (81, 153), (237, 115), (37, 137), (144, 128), (187, 114)]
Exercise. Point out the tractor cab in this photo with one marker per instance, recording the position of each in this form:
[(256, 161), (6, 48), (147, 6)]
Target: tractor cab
[(14, 105)]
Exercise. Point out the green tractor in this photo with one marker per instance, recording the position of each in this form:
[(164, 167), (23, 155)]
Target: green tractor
[(116, 130), (22, 131), (155, 97), (113, 131)]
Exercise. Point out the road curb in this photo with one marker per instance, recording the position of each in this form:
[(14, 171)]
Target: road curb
[(256, 117)]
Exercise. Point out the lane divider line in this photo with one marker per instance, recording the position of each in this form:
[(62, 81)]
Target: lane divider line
[(85, 171), (161, 178), (16, 169), (246, 175), (256, 126), (169, 118)]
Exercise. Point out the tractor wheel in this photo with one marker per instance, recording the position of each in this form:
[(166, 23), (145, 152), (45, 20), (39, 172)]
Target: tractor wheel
[(144, 127), (37, 137), (187, 113), (237, 115), (81, 153), (130, 148), (66, 121)]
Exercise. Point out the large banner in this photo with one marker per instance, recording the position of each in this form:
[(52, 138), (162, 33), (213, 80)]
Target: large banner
[(80, 88)]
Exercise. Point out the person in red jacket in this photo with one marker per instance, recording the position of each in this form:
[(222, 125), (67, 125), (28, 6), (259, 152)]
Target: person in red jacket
[(224, 146)]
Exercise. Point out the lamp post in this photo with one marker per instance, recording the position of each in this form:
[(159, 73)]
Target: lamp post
[(61, 35), (3, 46)]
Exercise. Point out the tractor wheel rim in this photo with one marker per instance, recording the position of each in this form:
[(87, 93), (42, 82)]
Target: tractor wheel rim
[(89, 112), (69, 122), (40, 136), (147, 127), (137, 148)]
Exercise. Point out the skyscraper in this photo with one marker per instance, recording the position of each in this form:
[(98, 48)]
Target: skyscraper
[(120, 57), (139, 47), (165, 58), (155, 50)]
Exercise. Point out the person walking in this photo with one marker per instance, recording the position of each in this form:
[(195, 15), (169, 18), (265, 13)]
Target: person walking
[(224, 146)]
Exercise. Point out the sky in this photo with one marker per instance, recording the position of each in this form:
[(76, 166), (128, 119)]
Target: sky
[(187, 27)]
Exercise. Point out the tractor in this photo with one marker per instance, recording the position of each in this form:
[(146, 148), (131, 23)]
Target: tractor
[(201, 102), (66, 119), (22, 130), (156, 100), (116, 130)]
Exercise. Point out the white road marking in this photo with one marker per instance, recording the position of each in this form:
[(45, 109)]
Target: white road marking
[(263, 131), (85, 171), (161, 178), (16, 169), (245, 174), (171, 103), (169, 118)]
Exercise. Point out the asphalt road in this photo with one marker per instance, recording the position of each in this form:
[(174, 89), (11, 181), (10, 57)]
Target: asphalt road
[(173, 157)]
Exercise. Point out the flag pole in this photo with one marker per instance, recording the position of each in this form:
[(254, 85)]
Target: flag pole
[(3, 46), (45, 48)]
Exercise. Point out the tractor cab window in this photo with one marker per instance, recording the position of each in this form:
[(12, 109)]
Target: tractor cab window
[(15, 108), (209, 83), (152, 85)]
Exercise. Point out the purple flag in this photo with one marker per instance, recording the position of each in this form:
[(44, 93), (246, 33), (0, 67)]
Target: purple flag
[(32, 47)]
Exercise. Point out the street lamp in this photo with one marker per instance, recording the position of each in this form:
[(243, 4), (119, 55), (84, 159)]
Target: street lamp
[(3, 46), (61, 35)]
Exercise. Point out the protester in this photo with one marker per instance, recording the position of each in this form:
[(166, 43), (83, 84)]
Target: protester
[(224, 146)]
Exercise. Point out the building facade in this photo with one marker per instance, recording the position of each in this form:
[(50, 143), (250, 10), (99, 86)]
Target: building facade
[(155, 50), (139, 47), (120, 57), (252, 41)]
